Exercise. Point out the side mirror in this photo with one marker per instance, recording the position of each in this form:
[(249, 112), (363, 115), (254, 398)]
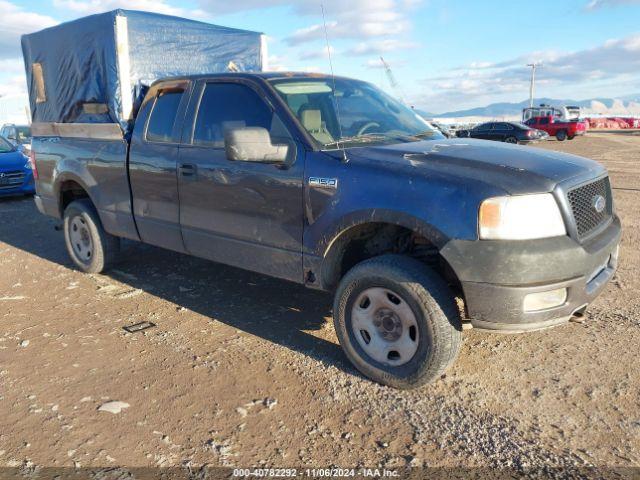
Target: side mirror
[(253, 144)]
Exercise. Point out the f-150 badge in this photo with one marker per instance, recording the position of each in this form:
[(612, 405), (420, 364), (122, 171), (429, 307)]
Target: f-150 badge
[(322, 182)]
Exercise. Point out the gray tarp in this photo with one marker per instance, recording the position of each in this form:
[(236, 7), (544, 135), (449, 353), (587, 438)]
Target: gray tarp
[(93, 69)]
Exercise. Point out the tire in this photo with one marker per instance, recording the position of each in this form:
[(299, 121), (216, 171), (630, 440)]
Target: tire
[(561, 136), (513, 140), (91, 248), (571, 137), (433, 333)]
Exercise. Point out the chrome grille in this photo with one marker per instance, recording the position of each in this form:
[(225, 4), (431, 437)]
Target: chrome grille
[(583, 206), (11, 179)]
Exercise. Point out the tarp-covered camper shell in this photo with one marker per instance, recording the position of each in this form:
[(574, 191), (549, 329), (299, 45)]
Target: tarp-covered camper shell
[(94, 69)]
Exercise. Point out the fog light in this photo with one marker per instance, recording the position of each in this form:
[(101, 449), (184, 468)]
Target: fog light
[(544, 300)]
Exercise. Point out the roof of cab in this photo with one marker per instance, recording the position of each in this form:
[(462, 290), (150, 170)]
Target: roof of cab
[(263, 75)]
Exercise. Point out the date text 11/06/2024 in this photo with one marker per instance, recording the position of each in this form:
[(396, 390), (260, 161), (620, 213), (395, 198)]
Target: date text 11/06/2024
[(316, 472)]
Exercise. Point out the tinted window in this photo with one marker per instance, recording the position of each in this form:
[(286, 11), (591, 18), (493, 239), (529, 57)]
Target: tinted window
[(483, 127), (163, 116), (544, 121), (5, 146), (227, 106)]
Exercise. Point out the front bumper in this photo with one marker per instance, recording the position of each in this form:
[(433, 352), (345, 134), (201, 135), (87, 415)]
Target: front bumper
[(497, 276), (25, 187)]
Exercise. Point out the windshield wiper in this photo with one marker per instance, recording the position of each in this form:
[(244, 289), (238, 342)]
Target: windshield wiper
[(369, 137)]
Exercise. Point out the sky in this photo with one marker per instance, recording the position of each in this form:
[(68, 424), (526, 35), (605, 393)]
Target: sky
[(444, 54)]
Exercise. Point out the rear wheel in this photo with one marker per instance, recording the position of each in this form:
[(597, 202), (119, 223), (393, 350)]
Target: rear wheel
[(396, 321), (511, 140), (561, 135), (90, 247)]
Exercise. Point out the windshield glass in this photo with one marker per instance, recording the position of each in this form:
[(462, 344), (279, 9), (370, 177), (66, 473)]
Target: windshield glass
[(357, 114), (23, 134), (5, 146)]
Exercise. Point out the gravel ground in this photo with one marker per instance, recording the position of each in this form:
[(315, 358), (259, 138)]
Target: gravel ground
[(243, 370)]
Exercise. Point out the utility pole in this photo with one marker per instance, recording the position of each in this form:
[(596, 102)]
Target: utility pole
[(533, 66)]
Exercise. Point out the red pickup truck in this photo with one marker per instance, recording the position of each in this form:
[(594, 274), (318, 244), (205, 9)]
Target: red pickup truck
[(558, 128)]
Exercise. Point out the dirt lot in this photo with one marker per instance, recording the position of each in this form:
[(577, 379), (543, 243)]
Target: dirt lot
[(243, 370)]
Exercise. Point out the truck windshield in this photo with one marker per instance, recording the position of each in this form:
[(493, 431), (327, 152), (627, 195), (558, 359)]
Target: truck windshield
[(357, 114), (5, 146), (23, 134)]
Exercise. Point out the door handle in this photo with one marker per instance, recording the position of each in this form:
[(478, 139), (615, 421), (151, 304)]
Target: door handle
[(187, 170)]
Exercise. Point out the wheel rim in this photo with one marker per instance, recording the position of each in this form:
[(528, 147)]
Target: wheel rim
[(511, 140), (385, 326), (80, 239)]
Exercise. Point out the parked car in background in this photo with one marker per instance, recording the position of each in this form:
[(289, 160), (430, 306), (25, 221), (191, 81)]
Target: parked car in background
[(16, 175), (558, 128), (569, 113), (509, 132), (18, 135)]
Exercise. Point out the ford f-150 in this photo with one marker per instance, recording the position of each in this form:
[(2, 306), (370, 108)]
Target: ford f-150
[(331, 183)]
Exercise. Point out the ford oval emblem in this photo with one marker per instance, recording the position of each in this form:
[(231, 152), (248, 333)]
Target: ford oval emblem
[(599, 203)]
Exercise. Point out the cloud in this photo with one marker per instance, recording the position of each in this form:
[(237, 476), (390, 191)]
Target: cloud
[(377, 63), (318, 53), (596, 4), (614, 60), (15, 21), (88, 7), (279, 63), (356, 19), (13, 83), (381, 46), (345, 19)]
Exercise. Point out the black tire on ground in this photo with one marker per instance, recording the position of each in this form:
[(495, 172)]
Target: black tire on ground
[(91, 248), (571, 137), (439, 330), (561, 135), (513, 140)]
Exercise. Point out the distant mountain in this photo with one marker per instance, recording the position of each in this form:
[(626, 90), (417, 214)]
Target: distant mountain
[(628, 104)]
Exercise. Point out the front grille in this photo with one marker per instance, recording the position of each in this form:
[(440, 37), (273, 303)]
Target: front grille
[(583, 208), (10, 180)]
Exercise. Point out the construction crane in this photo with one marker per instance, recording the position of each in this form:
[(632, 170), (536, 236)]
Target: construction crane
[(392, 80)]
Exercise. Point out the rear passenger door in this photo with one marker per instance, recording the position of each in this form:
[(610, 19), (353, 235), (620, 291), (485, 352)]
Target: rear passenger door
[(241, 213), (500, 131), (153, 164), (482, 131)]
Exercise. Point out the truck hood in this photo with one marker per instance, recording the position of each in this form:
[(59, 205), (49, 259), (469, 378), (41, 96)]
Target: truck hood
[(12, 161), (513, 168)]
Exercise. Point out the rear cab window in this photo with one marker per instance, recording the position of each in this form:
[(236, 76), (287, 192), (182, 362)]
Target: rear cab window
[(162, 119)]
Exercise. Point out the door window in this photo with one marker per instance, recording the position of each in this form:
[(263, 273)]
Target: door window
[(163, 116), (226, 106)]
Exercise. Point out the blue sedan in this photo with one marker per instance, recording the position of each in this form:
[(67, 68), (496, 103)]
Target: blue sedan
[(16, 176)]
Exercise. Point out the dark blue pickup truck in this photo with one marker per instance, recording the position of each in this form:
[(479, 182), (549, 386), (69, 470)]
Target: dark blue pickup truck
[(333, 184)]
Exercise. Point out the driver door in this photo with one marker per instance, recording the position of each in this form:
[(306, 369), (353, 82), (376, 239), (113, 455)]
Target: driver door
[(242, 213)]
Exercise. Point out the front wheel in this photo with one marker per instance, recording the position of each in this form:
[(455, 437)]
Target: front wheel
[(90, 247), (397, 321), (513, 140), (561, 136)]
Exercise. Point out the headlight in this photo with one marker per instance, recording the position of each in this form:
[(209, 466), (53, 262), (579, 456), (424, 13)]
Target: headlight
[(521, 217)]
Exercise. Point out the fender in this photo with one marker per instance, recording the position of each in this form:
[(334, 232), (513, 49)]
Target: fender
[(320, 250), (69, 176)]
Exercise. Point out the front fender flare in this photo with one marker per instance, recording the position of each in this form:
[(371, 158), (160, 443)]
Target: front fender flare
[(329, 243)]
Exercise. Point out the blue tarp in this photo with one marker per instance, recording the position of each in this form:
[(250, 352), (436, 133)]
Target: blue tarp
[(83, 66)]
